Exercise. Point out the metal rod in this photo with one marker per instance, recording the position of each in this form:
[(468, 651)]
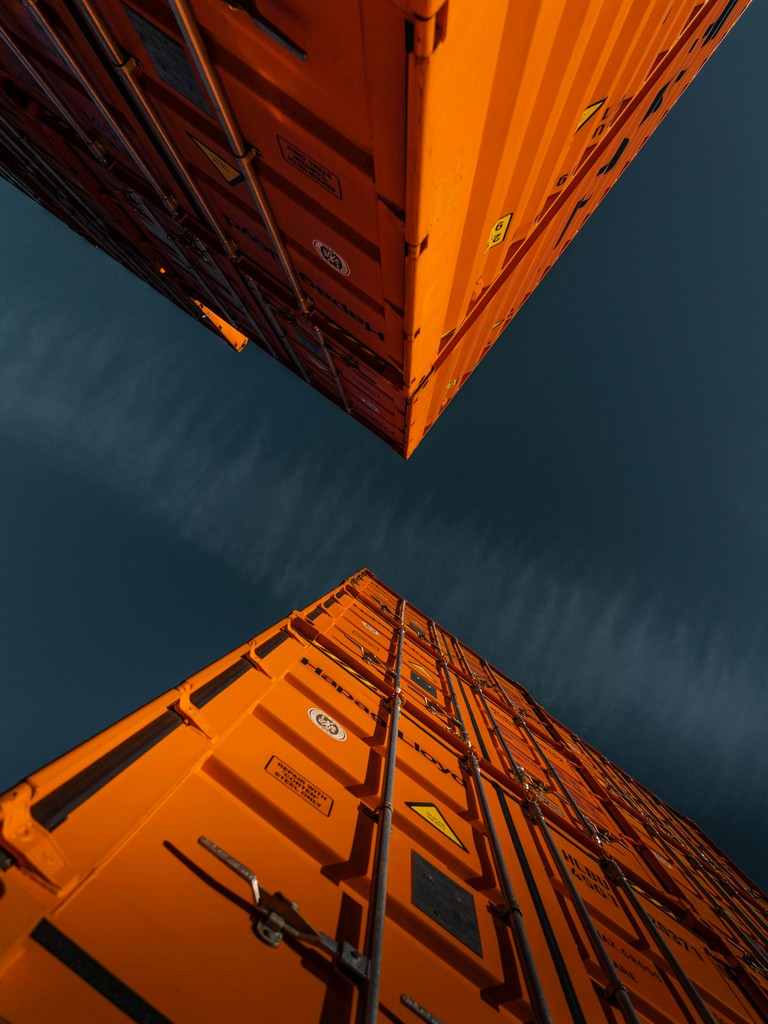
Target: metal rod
[(96, 147), (513, 913), (375, 937), (651, 820), (109, 43), (129, 68), (613, 872), (703, 881), (585, 823), (68, 198), (747, 921), (331, 367), (188, 26), (616, 989), (71, 60), (75, 205), (245, 156), (282, 335), (112, 48)]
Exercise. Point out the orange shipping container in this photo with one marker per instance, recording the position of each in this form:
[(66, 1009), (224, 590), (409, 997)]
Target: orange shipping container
[(355, 818), (368, 191)]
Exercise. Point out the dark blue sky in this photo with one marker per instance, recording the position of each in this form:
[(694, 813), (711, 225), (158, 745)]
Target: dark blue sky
[(591, 514)]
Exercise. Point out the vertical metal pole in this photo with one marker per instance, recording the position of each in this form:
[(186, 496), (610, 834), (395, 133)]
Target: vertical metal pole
[(651, 819), (375, 937), (613, 872), (616, 988), (245, 155), (551, 770), (746, 919), (71, 61), (128, 67), (272, 320), (513, 913), (96, 147)]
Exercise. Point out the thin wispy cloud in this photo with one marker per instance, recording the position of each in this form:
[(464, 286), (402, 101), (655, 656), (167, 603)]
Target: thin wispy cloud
[(210, 459)]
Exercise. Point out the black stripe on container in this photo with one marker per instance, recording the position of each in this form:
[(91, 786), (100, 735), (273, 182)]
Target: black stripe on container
[(316, 612), (329, 602), (6, 860), (219, 683), (96, 975), (269, 645), (53, 809)]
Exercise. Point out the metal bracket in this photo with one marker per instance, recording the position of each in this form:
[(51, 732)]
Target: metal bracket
[(278, 916), (192, 716), (609, 992), (612, 870), (531, 811), (130, 66), (29, 843)]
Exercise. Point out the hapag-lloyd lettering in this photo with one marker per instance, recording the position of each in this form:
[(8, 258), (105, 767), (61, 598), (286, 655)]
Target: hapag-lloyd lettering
[(413, 744)]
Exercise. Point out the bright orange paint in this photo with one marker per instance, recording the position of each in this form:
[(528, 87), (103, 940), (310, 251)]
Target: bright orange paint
[(276, 755), (425, 164)]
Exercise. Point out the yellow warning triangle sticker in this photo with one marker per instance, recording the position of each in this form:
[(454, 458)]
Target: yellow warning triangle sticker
[(588, 112), (230, 174), (434, 817)]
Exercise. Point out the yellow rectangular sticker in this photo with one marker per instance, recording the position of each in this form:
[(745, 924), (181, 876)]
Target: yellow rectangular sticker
[(589, 112), (498, 231)]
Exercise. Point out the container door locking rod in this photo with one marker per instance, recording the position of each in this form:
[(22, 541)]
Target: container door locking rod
[(616, 991), (66, 112), (378, 905), (126, 67), (701, 880), (613, 872), (513, 914), (245, 156), (721, 896), (278, 916), (129, 70), (71, 61)]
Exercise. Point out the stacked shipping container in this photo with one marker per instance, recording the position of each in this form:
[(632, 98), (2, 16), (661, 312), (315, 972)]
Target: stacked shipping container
[(367, 190), (354, 817)]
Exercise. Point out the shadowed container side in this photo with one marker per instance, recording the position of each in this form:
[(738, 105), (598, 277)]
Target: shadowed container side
[(367, 191)]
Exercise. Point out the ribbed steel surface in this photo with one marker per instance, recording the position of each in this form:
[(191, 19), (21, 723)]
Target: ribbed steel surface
[(367, 190), (455, 853)]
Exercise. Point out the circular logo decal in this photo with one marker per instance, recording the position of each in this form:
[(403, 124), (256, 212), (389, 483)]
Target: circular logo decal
[(331, 257), (327, 724)]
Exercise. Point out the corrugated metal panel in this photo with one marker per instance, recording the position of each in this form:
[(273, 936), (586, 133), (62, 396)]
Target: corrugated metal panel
[(392, 179), (525, 877)]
